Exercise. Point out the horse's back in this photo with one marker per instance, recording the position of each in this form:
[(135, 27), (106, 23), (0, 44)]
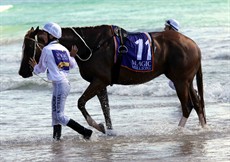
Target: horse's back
[(182, 55), (177, 45)]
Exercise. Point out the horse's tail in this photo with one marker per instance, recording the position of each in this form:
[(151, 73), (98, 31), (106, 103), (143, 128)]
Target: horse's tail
[(199, 80)]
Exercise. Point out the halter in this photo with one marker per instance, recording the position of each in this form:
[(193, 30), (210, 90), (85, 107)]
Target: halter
[(37, 44)]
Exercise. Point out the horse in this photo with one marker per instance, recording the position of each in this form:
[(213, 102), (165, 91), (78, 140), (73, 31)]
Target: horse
[(175, 55)]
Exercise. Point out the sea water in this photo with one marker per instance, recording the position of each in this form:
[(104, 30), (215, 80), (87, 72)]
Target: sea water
[(145, 116)]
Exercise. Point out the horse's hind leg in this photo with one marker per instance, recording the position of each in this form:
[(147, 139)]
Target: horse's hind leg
[(197, 106), (89, 93), (104, 101), (186, 104)]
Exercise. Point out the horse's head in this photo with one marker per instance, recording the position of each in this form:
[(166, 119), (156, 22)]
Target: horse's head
[(34, 41)]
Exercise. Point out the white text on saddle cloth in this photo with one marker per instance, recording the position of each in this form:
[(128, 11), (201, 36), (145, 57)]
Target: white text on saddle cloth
[(139, 56)]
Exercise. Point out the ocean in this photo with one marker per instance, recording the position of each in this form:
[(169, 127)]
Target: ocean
[(144, 117)]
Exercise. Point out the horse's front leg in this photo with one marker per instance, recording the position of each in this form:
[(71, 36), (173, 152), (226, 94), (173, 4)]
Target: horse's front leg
[(89, 93), (104, 101)]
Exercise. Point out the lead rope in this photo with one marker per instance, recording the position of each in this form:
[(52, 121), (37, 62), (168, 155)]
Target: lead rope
[(85, 45), (42, 78)]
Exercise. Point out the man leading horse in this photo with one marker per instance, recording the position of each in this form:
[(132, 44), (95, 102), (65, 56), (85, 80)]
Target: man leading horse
[(56, 61)]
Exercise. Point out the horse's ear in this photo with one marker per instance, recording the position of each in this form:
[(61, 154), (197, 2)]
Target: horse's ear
[(36, 30), (32, 28)]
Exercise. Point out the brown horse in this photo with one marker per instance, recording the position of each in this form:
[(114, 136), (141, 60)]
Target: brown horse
[(175, 55)]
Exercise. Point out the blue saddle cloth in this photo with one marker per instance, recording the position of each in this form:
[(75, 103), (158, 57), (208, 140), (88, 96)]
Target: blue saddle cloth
[(139, 56)]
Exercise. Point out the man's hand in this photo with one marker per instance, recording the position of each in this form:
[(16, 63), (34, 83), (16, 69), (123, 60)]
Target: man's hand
[(73, 51), (32, 62)]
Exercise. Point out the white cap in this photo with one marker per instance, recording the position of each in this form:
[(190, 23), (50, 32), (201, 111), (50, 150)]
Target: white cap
[(173, 23), (53, 29)]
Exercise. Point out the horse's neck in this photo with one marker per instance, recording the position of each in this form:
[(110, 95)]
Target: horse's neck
[(90, 35), (86, 32)]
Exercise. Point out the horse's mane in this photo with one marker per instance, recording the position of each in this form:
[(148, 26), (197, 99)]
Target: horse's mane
[(89, 27)]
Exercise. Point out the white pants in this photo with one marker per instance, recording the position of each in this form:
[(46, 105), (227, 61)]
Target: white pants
[(60, 92)]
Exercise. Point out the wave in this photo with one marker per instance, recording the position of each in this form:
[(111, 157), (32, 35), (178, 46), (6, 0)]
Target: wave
[(225, 56), (11, 40), (213, 92), (5, 7), (9, 85)]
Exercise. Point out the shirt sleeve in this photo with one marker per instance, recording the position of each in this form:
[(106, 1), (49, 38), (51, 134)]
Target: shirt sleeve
[(72, 61), (42, 64)]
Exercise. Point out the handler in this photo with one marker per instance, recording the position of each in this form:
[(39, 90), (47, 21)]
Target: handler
[(57, 60), (172, 24)]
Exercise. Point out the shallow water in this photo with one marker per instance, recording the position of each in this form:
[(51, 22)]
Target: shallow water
[(146, 130)]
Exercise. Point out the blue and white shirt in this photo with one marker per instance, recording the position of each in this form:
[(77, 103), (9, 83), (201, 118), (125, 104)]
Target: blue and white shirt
[(56, 59)]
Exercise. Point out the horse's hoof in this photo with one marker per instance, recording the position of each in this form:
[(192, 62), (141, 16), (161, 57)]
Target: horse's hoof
[(111, 132), (206, 127), (102, 127)]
